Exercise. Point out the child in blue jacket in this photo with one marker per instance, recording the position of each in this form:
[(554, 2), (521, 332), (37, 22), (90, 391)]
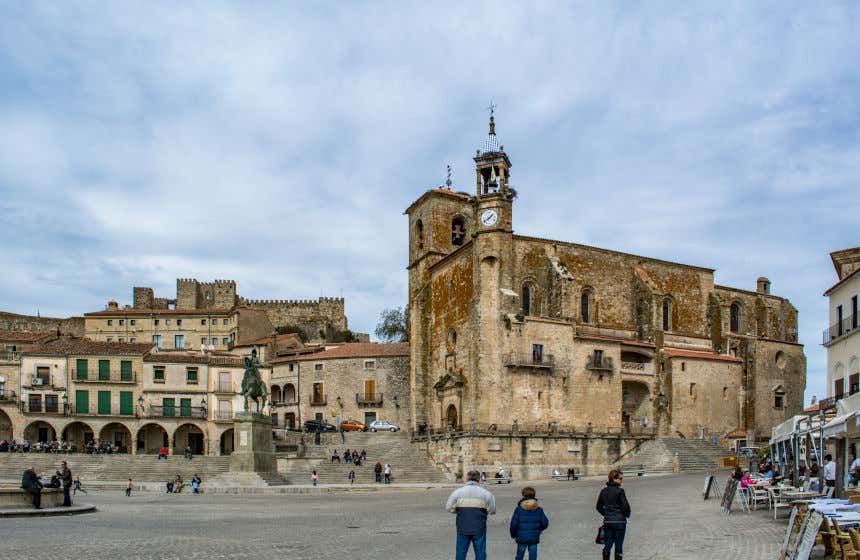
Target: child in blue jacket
[(527, 523)]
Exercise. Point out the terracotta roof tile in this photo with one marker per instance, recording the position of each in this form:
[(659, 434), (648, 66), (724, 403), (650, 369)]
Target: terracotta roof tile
[(267, 339), (699, 355), (21, 336), (195, 358), (72, 345), (352, 350)]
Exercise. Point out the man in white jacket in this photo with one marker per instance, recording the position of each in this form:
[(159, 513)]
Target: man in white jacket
[(472, 503)]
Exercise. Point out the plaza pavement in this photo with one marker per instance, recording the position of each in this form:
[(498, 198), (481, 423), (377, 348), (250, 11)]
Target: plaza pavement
[(670, 521)]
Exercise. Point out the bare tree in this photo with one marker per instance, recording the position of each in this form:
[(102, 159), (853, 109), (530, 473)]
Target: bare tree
[(393, 325)]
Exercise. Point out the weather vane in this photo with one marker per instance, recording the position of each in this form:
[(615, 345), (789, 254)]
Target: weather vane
[(492, 108), (448, 181)]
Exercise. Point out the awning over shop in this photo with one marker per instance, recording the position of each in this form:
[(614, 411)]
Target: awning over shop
[(785, 430), (839, 425)]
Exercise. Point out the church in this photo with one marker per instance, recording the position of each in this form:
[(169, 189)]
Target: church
[(529, 353)]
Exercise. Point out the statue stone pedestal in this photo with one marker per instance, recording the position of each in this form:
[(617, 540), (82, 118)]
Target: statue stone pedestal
[(252, 442)]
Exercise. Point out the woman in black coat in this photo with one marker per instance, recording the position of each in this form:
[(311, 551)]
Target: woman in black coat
[(612, 505)]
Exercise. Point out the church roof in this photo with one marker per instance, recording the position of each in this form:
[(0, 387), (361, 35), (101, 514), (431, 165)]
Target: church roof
[(491, 145)]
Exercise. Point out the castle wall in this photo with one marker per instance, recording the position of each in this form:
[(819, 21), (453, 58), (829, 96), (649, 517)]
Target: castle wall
[(318, 319)]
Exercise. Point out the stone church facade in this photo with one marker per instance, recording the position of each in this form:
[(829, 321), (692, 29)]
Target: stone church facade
[(532, 353)]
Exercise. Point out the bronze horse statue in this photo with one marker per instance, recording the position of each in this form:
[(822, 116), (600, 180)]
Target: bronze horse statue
[(252, 383)]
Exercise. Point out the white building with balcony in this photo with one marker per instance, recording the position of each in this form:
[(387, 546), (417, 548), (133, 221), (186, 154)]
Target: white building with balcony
[(842, 337)]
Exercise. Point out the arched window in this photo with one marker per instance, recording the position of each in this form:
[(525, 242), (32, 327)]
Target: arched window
[(527, 299), (458, 231), (667, 315), (735, 318), (289, 393), (585, 306), (419, 235)]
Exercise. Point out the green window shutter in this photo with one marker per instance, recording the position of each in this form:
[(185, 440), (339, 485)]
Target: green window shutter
[(158, 374), (104, 402), (104, 370), (82, 402), (125, 370), (185, 407), (169, 407), (126, 405), (82, 369), (191, 376)]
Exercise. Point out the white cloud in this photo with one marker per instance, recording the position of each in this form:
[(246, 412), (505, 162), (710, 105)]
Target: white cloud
[(279, 144)]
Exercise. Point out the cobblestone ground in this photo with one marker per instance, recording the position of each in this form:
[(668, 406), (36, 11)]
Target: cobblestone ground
[(670, 521)]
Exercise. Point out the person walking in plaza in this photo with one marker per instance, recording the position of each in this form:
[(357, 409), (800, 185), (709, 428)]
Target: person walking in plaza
[(472, 503), (351, 477), (387, 473), (66, 478), (77, 487), (829, 471), (377, 471), (527, 523), (613, 506), (128, 488), (30, 483), (315, 477)]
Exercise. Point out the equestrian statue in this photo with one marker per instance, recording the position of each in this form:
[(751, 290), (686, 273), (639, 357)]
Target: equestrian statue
[(252, 383)]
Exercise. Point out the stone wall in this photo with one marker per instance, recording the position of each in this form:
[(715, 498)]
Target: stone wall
[(345, 378), (530, 457), (28, 323), (317, 318), (706, 396)]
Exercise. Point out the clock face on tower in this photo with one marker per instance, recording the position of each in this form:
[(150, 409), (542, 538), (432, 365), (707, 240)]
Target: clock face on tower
[(489, 218)]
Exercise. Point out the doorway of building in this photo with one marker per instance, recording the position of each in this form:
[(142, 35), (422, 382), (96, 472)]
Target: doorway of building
[(451, 417), (290, 420), (369, 417), (195, 442)]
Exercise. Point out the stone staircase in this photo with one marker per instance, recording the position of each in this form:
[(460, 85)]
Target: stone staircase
[(694, 455), (112, 471), (408, 462)]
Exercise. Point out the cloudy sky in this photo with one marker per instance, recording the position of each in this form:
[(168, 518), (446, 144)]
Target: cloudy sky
[(278, 143)]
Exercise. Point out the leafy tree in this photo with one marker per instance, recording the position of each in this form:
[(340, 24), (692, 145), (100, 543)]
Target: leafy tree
[(343, 336), (287, 329), (393, 325)]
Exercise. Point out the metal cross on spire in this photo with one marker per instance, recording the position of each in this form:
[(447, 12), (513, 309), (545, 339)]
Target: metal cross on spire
[(492, 109), (448, 181)]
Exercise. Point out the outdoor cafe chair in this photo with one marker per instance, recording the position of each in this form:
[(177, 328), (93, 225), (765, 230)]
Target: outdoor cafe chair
[(757, 496), (844, 543), (777, 501)]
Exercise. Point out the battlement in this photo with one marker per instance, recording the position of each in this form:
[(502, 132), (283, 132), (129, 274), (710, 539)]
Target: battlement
[(290, 302)]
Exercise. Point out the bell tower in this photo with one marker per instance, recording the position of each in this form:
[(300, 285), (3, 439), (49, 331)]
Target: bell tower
[(493, 194)]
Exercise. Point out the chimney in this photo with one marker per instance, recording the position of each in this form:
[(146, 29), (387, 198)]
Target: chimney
[(763, 285), (113, 305)]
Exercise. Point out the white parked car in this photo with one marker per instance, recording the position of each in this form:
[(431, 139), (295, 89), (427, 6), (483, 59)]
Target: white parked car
[(382, 425)]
